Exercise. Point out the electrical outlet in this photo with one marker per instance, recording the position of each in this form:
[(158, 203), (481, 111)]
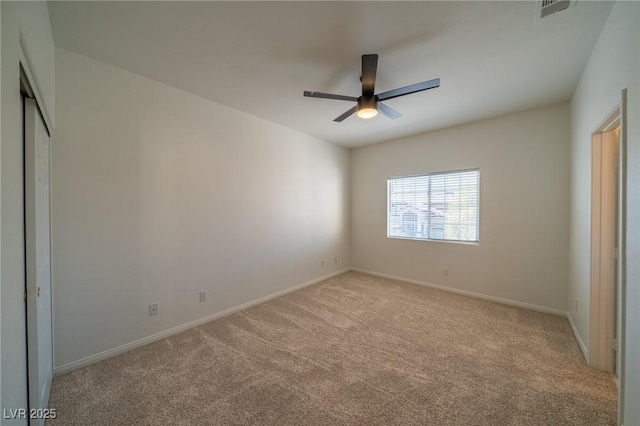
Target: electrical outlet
[(154, 309), (322, 263), (445, 271), (203, 296), (335, 260)]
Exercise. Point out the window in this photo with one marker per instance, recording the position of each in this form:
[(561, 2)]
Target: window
[(436, 206)]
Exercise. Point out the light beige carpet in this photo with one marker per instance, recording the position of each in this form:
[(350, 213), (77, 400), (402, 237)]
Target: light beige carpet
[(352, 350)]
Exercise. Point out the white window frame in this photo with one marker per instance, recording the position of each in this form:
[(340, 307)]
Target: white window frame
[(440, 240)]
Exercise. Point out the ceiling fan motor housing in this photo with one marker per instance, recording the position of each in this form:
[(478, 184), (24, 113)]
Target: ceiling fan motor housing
[(367, 102)]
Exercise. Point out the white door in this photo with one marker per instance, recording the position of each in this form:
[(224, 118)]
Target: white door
[(38, 259)]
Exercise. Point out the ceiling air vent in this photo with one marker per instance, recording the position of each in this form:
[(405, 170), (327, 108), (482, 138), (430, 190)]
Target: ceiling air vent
[(552, 6)]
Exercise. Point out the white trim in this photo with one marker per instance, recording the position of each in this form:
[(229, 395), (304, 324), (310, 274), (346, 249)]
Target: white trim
[(36, 93), (74, 365), (622, 256), (441, 172), (610, 111), (467, 243), (501, 300), (583, 347)]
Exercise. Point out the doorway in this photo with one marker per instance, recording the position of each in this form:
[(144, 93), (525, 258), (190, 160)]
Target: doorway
[(607, 197)]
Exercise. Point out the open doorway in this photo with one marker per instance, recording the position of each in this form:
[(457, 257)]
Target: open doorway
[(607, 221)]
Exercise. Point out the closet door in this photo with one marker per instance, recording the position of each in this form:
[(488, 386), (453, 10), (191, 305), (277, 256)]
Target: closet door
[(38, 261)]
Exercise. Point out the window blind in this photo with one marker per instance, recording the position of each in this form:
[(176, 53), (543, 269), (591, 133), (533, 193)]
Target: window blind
[(435, 206)]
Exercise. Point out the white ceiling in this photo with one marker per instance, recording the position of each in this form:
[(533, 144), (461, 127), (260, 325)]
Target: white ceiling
[(258, 57)]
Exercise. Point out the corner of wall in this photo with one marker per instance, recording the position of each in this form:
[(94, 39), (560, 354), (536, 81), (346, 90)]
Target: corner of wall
[(576, 334)]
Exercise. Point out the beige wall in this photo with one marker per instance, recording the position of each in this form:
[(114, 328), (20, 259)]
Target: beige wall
[(26, 34), (522, 254), (159, 194), (614, 65)]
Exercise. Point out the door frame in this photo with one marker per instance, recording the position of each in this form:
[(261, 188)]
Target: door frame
[(599, 315), (605, 208), (27, 85), (28, 89)]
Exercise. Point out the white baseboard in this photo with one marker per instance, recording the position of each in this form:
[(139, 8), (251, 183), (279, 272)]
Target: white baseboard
[(161, 335), (469, 293), (583, 347)]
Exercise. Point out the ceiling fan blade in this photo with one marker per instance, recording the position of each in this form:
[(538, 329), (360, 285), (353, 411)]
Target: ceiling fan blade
[(345, 114), (369, 67), (329, 96), (418, 87), (389, 112)]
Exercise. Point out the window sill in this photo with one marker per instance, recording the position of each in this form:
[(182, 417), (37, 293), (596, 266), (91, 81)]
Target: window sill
[(466, 243)]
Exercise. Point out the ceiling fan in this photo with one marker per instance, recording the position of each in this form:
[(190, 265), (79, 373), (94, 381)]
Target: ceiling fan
[(369, 103)]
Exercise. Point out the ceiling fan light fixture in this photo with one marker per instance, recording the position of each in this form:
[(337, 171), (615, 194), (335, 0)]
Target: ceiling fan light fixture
[(367, 113), (367, 107)]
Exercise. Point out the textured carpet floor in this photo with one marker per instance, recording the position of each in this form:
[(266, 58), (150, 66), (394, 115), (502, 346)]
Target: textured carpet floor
[(352, 350)]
